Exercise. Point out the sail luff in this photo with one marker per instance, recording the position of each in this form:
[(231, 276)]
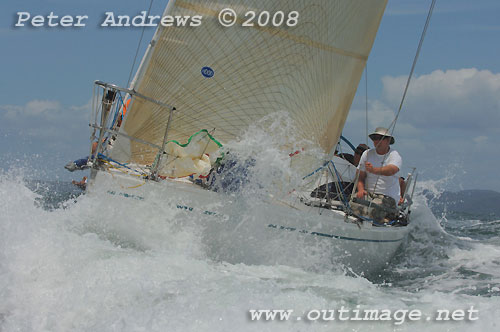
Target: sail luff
[(149, 51), (330, 140)]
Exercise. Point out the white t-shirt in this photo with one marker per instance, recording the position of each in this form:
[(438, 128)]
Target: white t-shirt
[(387, 185)]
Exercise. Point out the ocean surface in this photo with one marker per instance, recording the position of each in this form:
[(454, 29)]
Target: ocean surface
[(75, 262)]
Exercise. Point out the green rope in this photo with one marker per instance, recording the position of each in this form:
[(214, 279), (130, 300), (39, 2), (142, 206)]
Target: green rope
[(190, 138)]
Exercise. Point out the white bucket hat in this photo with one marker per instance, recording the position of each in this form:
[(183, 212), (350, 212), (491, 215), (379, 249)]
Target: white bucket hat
[(382, 132)]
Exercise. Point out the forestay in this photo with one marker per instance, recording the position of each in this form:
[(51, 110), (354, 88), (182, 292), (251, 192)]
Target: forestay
[(223, 79)]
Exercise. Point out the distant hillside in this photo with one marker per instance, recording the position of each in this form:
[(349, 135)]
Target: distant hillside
[(471, 202)]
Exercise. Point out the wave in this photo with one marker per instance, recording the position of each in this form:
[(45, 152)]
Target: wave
[(83, 262)]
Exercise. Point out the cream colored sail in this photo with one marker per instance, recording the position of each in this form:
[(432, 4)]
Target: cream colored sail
[(310, 70)]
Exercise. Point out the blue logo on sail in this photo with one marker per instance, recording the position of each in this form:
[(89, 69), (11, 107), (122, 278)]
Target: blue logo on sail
[(207, 72)]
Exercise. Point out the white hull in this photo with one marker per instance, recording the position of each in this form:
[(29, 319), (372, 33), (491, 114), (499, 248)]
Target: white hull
[(246, 230)]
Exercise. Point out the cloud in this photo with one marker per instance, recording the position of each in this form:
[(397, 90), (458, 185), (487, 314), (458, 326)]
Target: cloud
[(37, 107), (466, 99), (449, 123), (44, 126), (380, 114), (480, 139), (43, 110), (33, 109)]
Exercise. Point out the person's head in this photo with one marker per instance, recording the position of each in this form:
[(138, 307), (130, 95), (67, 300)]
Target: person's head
[(358, 152), (382, 138)]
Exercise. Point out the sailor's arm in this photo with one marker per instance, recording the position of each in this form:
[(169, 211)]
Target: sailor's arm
[(361, 185), (402, 189), (386, 170)]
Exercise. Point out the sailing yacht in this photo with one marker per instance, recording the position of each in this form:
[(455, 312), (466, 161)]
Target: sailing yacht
[(198, 89)]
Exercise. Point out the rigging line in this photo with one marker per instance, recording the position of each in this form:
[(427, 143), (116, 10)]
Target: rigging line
[(339, 185), (138, 46), (208, 142), (366, 102), (431, 9), (393, 124)]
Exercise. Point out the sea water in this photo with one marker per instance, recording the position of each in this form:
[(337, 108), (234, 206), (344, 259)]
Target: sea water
[(76, 262), (101, 261)]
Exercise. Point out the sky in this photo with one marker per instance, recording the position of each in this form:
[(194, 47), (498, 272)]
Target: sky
[(449, 126)]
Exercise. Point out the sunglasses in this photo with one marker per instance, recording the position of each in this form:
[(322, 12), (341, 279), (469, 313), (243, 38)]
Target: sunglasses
[(378, 137)]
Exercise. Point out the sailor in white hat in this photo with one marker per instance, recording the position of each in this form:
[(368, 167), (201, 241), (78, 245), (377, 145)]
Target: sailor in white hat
[(378, 169)]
